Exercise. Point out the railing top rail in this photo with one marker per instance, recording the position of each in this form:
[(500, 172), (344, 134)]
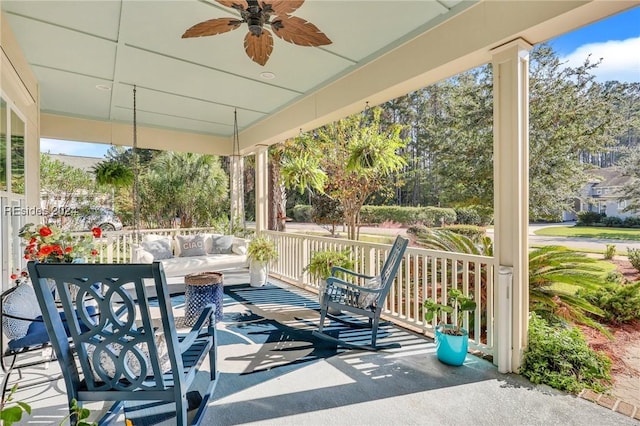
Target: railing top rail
[(410, 250)]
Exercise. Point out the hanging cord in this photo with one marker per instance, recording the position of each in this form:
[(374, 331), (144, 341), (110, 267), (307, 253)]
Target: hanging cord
[(235, 158), (136, 209), (236, 137)]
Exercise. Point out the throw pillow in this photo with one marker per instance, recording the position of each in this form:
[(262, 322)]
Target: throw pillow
[(239, 246), (222, 244), (367, 299), (140, 255), (191, 245), (21, 303), (160, 249)]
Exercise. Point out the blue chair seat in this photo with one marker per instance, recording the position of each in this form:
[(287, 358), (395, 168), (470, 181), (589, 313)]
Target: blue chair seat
[(37, 332)]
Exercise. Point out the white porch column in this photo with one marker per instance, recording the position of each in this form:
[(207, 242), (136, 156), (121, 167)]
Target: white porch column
[(237, 190), (511, 202), (262, 189)]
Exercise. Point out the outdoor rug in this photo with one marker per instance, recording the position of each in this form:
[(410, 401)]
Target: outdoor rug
[(265, 332)]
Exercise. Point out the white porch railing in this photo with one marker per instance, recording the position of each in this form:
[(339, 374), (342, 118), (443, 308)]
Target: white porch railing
[(423, 273)]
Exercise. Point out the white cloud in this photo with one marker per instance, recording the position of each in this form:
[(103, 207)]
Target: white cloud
[(54, 146), (620, 59)]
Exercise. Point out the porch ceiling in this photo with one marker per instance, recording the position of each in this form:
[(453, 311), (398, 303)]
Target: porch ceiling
[(187, 89)]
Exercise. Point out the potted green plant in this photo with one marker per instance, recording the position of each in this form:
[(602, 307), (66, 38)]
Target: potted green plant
[(261, 252), (452, 340), (320, 265)]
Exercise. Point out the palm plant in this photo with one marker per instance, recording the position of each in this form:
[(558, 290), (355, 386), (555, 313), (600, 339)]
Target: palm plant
[(555, 273), (442, 239)]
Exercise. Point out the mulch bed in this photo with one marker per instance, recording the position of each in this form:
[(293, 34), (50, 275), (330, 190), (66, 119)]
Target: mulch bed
[(622, 334)]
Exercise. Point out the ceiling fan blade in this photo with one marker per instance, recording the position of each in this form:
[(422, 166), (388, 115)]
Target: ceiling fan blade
[(284, 7), (298, 31), (212, 27), (258, 48), (236, 4)]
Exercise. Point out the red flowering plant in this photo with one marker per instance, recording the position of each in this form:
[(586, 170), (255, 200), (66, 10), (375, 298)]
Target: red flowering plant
[(48, 244)]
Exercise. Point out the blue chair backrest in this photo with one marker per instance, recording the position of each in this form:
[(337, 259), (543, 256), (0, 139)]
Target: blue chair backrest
[(121, 335), (392, 263)]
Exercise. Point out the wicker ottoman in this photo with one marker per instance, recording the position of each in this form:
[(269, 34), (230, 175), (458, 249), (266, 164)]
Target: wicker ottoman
[(200, 290)]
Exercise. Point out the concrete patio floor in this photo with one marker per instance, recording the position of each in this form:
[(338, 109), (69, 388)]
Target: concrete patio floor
[(406, 386)]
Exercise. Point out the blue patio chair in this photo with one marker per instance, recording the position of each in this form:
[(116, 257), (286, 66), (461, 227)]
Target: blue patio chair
[(361, 294), (125, 354), (19, 349)]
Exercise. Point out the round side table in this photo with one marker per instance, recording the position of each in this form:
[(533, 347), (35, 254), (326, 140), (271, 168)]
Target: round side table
[(200, 290)]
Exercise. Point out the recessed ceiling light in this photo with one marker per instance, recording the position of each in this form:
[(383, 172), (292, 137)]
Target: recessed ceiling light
[(267, 75), (103, 87)]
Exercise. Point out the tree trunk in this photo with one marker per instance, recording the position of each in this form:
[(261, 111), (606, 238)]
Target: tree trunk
[(277, 198)]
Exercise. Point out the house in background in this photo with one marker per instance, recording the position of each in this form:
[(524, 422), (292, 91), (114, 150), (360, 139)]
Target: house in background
[(602, 194)]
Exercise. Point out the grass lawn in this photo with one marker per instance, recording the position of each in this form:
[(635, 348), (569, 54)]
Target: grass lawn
[(629, 234)]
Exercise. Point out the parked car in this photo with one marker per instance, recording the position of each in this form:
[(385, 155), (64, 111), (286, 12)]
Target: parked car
[(85, 219), (103, 218)]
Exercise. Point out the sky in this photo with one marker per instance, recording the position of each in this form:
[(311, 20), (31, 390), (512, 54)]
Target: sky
[(615, 40)]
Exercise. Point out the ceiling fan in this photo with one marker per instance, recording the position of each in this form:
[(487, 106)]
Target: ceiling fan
[(258, 43)]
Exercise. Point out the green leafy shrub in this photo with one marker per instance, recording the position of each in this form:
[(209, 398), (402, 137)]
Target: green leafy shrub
[(431, 216), (610, 251), (620, 302), (589, 218), (560, 357), (634, 257), (612, 221), (474, 215), (631, 222), (467, 216), (614, 277), (302, 213)]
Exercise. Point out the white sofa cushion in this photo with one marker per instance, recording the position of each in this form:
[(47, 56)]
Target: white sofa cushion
[(180, 266)]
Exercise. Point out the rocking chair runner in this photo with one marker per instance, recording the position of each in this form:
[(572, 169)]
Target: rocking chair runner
[(365, 299), (122, 357)]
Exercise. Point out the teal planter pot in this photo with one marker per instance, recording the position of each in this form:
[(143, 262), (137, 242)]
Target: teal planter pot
[(451, 350)]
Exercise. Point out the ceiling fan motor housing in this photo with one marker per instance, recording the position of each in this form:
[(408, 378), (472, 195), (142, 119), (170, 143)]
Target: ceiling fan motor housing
[(255, 17)]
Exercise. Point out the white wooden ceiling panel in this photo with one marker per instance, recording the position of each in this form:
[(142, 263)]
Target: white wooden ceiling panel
[(67, 50), (75, 94)]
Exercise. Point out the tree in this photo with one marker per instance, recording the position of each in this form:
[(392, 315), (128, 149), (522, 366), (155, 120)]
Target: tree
[(64, 187), (348, 160), (192, 186), (569, 112), (631, 191), (573, 120)]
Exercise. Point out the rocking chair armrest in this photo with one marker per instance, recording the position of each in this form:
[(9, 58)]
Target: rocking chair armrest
[(332, 281), (208, 313), (335, 269)]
